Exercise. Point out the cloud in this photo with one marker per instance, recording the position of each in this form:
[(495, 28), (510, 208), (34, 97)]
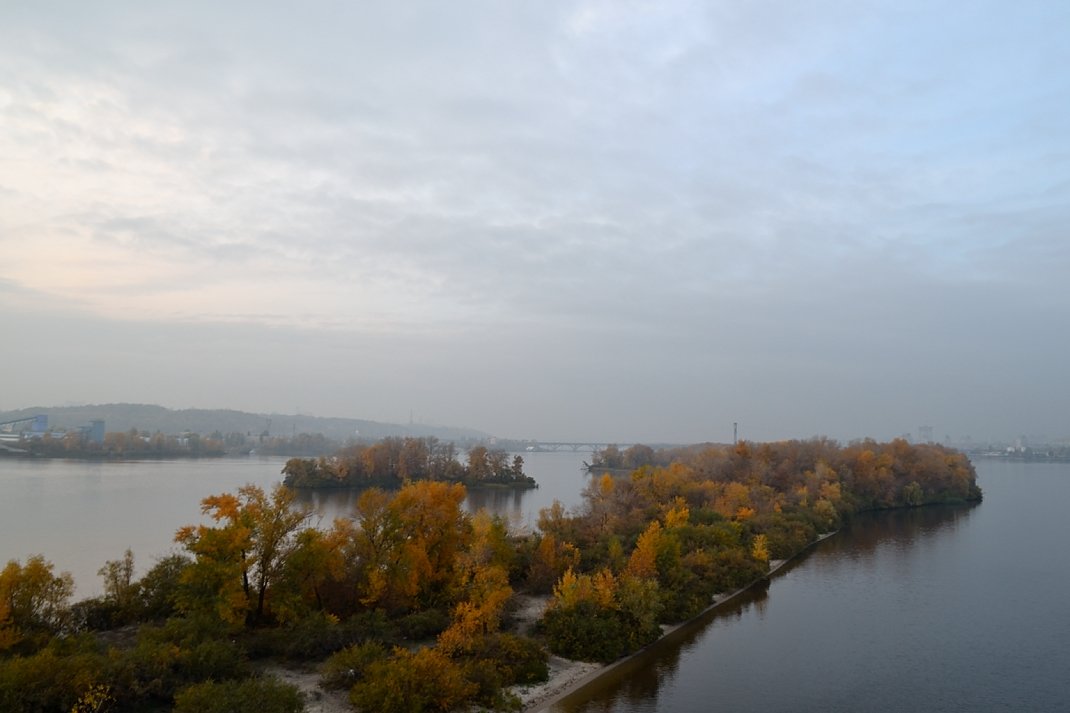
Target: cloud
[(658, 203)]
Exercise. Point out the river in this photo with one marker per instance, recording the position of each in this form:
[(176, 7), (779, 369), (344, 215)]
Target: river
[(80, 514), (933, 609)]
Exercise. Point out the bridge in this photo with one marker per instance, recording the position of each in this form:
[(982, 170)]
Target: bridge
[(575, 447)]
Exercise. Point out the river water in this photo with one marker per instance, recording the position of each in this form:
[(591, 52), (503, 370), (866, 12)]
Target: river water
[(80, 514), (933, 609)]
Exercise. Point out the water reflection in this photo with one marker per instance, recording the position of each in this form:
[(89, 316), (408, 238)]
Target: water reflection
[(560, 477), (869, 530), (329, 504), (508, 503)]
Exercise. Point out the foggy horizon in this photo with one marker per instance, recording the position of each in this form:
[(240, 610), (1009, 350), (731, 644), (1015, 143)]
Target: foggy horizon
[(561, 221), (721, 433)]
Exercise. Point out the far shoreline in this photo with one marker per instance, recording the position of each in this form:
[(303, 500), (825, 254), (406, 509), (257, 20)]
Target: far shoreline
[(587, 676)]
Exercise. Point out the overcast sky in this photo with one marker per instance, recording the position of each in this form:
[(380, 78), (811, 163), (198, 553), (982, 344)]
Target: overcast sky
[(605, 220)]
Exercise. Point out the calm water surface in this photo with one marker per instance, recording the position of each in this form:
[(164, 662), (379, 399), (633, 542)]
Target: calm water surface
[(80, 514), (934, 609)]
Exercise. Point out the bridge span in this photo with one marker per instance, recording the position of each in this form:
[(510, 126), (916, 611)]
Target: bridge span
[(575, 446)]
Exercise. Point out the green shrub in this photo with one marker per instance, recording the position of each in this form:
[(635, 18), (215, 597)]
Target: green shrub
[(412, 682), (254, 695), (173, 656), (346, 667), (518, 659), (97, 614), (159, 588), (585, 632), (318, 636), (425, 624), (46, 681), (211, 660), (485, 675)]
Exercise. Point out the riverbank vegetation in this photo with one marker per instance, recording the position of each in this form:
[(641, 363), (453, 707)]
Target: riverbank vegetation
[(132, 444), (143, 445), (407, 603)]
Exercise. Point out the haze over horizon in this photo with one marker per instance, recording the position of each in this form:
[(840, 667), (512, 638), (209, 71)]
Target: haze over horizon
[(558, 220)]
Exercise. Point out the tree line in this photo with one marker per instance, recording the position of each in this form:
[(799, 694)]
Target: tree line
[(126, 444), (391, 462), (143, 444), (407, 603)]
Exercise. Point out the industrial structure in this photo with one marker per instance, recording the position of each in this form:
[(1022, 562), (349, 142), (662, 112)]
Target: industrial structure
[(32, 427)]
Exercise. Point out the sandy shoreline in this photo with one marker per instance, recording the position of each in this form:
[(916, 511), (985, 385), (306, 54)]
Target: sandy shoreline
[(567, 676)]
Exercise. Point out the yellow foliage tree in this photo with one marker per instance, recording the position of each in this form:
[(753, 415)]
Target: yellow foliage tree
[(239, 560), (734, 501), (96, 698), (599, 589), (31, 599), (480, 614), (677, 514), (643, 561), (550, 560), (760, 549), (407, 547)]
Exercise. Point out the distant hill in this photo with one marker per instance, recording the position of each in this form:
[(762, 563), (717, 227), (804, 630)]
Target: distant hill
[(145, 417)]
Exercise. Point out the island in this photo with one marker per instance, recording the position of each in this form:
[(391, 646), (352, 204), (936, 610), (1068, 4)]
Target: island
[(392, 462)]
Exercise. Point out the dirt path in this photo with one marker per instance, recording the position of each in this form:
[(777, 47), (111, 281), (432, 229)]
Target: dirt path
[(317, 698)]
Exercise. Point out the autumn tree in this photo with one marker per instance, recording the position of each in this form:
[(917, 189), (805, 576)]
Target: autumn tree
[(238, 561), (609, 457), (486, 593), (381, 555), (405, 546), (637, 456), (414, 459), (315, 561), (484, 585), (443, 463), (382, 460), (478, 466), (555, 520), (551, 559), (599, 497), (32, 600), (643, 561), (437, 529), (760, 549), (120, 589)]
